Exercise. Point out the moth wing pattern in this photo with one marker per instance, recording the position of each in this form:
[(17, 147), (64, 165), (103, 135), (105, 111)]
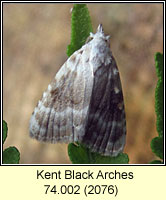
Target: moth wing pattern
[(84, 102), (61, 114), (106, 127)]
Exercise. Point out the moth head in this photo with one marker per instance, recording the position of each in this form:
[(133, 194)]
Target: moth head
[(99, 35)]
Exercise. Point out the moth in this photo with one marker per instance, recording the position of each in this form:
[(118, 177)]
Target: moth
[(84, 102)]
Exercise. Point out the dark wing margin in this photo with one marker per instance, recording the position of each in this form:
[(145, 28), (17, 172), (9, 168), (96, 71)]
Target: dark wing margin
[(106, 125)]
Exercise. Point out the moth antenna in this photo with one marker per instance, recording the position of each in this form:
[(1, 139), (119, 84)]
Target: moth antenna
[(100, 28)]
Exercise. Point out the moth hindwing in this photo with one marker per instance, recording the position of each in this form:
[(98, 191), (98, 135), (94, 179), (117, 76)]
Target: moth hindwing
[(84, 102)]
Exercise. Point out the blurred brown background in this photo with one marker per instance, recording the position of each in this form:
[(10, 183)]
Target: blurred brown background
[(35, 38)]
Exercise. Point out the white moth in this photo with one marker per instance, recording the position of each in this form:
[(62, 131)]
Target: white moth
[(84, 102)]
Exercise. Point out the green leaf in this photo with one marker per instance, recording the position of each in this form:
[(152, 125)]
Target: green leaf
[(156, 162), (80, 27), (5, 129), (159, 106), (159, 94), (79, 154), (159, 64), (157, 142), (11, 155), (122, 158), (157, 146)]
